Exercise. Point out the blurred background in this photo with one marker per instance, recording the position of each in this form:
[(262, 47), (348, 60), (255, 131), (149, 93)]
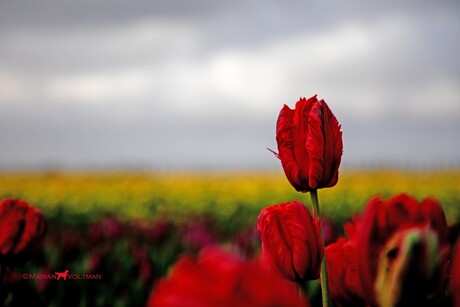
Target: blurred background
[(199, 84), (140, 128)]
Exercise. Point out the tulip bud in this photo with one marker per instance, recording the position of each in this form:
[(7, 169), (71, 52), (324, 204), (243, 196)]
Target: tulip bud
[(309, 144), (291, 243), (23, 229)]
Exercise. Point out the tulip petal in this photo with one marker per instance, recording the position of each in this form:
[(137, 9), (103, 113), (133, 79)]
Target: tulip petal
[(343, 273), (32, 235), (12, 222), (333, 146), (23, 229), (432, 209), (398, 211), (278, 243), (315, 146), (286, 138)]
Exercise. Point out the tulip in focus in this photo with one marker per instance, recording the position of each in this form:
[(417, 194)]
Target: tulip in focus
[(22, 231), (291, 243), (309, 144)]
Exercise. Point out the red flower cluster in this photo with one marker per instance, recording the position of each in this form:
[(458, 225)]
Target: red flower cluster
[(218, 278), (23, 229), (396, 254), (291, 244), (309, 144)]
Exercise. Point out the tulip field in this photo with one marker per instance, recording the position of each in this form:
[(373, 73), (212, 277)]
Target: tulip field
[(119, 233), (79, 197)]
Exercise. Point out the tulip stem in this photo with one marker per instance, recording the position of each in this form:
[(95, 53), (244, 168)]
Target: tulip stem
[(323, 274)]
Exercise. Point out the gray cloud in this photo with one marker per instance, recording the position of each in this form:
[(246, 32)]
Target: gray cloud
[(199, 84)]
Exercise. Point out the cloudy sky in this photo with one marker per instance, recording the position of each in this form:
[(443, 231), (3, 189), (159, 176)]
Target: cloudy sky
[(199, 84)]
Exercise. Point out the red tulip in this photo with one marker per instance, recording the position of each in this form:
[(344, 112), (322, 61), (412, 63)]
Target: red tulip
[(309, 144), (144, 265), (401, 242), (342, 267), (247, 242), (291, 243), (160, 232), (22, 231), (218, 278), (409, 269), (197, 234)]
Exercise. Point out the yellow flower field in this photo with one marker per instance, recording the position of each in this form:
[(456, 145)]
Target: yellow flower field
[(227, 195)]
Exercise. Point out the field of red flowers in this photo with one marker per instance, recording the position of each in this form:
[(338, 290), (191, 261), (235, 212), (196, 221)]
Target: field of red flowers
[(213, 240)]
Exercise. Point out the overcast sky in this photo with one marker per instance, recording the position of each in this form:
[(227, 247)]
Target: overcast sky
[(199, 84)]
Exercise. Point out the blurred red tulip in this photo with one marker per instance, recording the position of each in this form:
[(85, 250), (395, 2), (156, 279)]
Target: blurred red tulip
[(409, 271), (342, 267), (160, 232), (71, 245), (22, 231), (218, 278), (112, 227), (291, 243), (145, 269), (197, 234), (402, 242), (106, 230), (247, 242), (309, 144)]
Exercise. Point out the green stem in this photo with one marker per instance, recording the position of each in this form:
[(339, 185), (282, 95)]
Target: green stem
[(323, 276)]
